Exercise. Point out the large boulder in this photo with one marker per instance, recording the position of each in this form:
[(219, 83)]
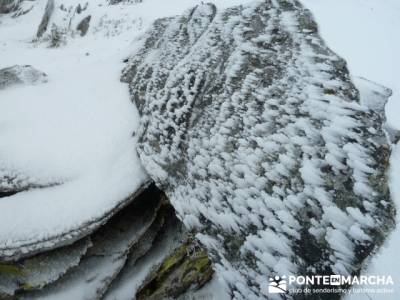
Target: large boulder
[(255, 131)]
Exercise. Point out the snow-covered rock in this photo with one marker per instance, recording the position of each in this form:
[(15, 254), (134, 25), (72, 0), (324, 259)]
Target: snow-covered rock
[(255, 131), (39, 271), (109, 253), (249, 123), (143, 249), (20, 75)]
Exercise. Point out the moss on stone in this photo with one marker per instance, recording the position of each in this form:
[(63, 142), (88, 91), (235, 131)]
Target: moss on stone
[(11, 270), (189, 267)]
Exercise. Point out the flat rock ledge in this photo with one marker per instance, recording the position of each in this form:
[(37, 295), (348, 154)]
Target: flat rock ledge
[(142, 252)]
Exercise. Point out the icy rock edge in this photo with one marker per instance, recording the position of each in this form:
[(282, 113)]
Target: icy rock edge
[(255, 131), (143, 252)]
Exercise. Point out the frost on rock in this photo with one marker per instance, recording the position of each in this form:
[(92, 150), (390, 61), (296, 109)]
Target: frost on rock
[(110, 250), (20, 75), (255, 131), (120, 259), (40, 270), (145, 257), (34, 234)]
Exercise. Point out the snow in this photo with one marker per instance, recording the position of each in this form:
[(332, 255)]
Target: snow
[(365, 33), (77, 131), (74, 133)]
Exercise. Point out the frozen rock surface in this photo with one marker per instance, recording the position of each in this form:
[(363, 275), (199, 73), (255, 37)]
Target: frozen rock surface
[(20, 75), (40, 270), (142, 251), (146, 257), (255, 131), (107, 256)]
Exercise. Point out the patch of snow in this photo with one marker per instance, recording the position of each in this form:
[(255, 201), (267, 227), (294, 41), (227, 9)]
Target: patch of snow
[(76, 131)]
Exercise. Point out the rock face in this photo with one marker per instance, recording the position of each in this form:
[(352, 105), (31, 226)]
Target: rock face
[(83, 25), (253, 128), (20, 75), (44, 23)]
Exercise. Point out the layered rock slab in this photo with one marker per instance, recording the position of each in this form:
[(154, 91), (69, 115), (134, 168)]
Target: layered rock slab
[(255, 131), (38, 271), (142, 249)]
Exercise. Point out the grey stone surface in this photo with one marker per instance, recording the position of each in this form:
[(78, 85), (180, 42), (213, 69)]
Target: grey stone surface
[(20, 75), (83, 25), (255, 131)]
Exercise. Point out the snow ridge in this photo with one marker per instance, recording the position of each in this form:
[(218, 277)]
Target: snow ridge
[(255, 131)]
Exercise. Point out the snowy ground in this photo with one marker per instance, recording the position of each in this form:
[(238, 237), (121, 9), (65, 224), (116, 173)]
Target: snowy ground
[(76, 129), (366, 34)]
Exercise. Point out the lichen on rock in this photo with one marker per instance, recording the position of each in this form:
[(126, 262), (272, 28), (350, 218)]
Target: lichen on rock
[(40, 270), (255, 131), (188, 268)]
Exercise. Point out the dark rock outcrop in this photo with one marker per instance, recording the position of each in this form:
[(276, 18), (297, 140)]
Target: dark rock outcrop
[(7, 6), (83, 25), (255, 131)]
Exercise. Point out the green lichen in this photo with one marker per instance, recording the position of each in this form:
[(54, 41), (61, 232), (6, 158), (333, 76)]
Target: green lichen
[(27, 287), (11, 270), (172, 261), (189, 267)]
